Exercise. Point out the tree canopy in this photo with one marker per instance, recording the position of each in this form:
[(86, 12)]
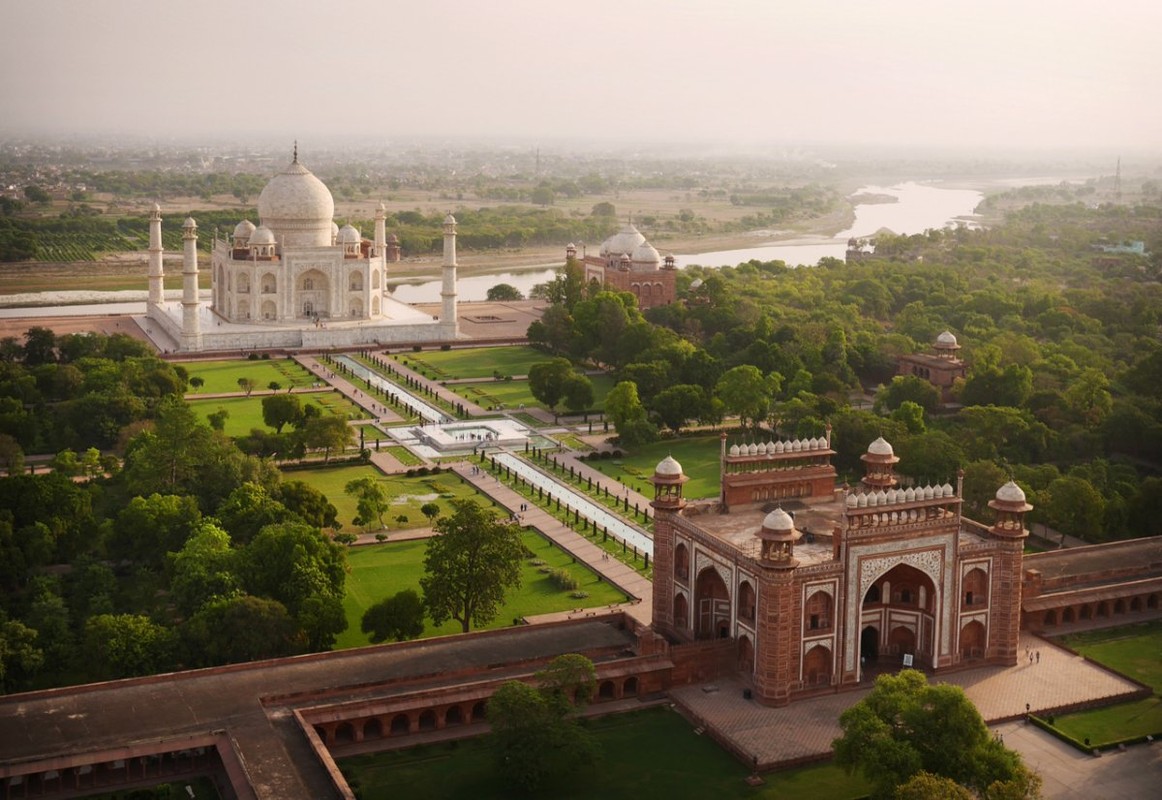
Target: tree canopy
[(906, 725), (469, 565)]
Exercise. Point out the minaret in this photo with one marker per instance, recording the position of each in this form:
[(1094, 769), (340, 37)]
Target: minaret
[(380, 230), (156, 274), (448, 291), (191, 332)]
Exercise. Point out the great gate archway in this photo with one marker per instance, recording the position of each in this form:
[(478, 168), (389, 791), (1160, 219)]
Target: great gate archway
[(712, 604)]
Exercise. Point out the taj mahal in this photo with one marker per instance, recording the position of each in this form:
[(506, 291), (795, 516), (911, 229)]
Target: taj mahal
[(294, 280)]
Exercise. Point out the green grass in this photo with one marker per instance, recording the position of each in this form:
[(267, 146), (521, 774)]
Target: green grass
[(408, 493), (1132, 650), (514, 394), (379, 571), (246, 412), (698, 456), (476, 362), (648, 753), (222, 376)]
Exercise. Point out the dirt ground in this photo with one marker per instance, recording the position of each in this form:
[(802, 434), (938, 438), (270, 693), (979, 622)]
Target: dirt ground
[(17, 326)]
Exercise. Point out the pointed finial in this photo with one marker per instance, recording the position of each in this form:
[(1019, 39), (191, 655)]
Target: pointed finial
[(296, 156)]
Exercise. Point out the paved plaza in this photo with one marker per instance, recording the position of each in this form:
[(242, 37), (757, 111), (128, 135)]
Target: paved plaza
[(805, 729)]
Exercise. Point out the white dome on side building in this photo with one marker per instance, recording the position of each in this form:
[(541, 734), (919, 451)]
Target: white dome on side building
[(1011, 493), (623, 242), (669, 467), (645, 258)]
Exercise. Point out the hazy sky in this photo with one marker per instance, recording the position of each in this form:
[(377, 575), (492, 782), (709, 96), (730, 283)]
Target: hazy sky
[(970, 73)]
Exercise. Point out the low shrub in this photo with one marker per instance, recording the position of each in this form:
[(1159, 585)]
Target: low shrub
[(579, 594), (563, 580)]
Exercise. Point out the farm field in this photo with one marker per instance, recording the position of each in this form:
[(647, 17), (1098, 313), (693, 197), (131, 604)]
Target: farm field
[(246, 412), (698, 456), (379, 571), (221, 377), (476, 362), (648, 753), (1132, 650), (407, 494)]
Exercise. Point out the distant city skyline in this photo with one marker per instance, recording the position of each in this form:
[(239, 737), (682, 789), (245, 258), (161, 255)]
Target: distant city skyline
[(1015, 75)]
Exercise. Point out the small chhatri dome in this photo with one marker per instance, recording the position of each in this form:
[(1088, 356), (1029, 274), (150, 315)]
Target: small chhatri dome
[(449, 220), (1011, 493), (778, 521), (189, 223), (261, 235), (243, 229), (946, 339), (696, 283), (880, 447), (381, 208), (668, 466), (348, 235)]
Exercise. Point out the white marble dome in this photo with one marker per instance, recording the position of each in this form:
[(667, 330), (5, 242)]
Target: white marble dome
[(879, 447), (298, 207), (243, 229), (696, 283), (778, 520), (645, 257), (348, 235), (1011, 493), (946, 339), (668, 467), (623, 242), (261, 235)]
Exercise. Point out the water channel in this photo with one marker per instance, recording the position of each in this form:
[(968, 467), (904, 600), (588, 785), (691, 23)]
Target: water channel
[(604, 518), (428, 412)]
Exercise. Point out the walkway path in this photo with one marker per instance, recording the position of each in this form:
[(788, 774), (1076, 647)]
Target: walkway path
[(445, 394), (617, 573), (375, 409)]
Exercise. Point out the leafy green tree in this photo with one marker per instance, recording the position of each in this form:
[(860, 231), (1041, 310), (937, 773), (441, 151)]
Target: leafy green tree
[(290, 562), (745, 392), (926, 786), (1076, 508), (48, 614), (547, 380), (931, 456), (197, 382), (371, 501), (430, 510), (126, 645), (239, 628), (249, 509), (280, 410), (20, 657), (679, 404), (538, 742), (502, 292), (328, 434), (149, 527), (217, 419), (39, 346), (11, 455), (204, 570), (470, 565), (399, 618), (628, 415), (603, 209), (904, 725), (311, 505), (991, 385), (911, 415), (322, 619), (578, 393), (907, 388), (246, 385)]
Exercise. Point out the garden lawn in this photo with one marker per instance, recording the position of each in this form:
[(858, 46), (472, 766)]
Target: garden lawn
[(514, 394), (698, 456), (379, 571), (222, 376), (246, 412), (1132, 650), (407, 494), (648, 753), (476, 362)]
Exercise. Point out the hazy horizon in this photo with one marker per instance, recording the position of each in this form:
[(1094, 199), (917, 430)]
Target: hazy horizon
[(987, 76)]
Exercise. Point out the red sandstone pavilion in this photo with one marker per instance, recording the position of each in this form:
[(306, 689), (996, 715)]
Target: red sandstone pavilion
[(791, 585)]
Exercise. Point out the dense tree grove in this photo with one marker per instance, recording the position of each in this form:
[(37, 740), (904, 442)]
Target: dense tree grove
[(180, 549), (1064, 365)]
